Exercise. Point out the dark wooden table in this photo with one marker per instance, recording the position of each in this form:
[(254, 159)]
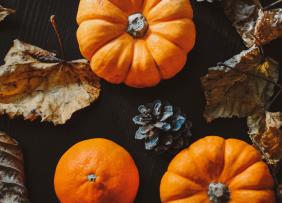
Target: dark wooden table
[(110, 117)]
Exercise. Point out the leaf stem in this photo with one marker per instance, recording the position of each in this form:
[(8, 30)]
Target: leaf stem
[(55, 27), (269, 104), (274, 98), (251, 74), (272, 4)]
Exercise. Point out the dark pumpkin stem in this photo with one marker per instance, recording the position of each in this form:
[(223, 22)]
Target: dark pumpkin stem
[(218, 193), (55, 27), (272, 5)]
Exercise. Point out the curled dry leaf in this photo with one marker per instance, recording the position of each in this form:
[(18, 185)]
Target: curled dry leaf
[(4, 12), (239, 86), (268, 26), (255, 25), (34, 83), (265, 132), (12, 188)]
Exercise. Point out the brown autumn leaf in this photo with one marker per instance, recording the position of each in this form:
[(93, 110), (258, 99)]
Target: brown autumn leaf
[(35, 83), (240, 90), (12, 185), (4, 12), (266, 134), (268, 26), (255, 25)]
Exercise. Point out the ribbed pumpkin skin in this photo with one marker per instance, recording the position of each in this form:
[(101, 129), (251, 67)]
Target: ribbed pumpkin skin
[(118, 57), (213, 159)]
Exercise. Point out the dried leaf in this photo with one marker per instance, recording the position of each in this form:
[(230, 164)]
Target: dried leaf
[(265, 132), (12, 188), (4, 12), (34, 83), (269, 26), (255, 25), (241, 90)]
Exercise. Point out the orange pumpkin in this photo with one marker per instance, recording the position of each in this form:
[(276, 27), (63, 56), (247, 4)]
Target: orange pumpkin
[(96, 171), (138, 42), (217, 170)]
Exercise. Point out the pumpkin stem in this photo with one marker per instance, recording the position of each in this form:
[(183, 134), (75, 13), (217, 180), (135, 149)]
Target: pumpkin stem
[(218, 193), (92, 177), (55, 27), (137, 25)]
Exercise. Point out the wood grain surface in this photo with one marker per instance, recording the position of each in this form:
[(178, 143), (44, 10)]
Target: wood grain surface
[(110, 117)]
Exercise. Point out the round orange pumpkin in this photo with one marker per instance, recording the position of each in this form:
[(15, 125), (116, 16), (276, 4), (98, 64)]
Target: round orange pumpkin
[(218, 171), (138, 42), (96, 171)]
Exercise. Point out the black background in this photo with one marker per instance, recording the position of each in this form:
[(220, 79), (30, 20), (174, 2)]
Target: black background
[(110, 117)]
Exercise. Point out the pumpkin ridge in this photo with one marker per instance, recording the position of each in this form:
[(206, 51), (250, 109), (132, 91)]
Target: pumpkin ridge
[(264, 185), (177, 198), (130, 64), (157, 65), (223, 161), (234, 176), (182, 176), (109, 41), (227, 181), (144, 4), (241, 190), (181, 51), (121, 49), (139, 8), (165, 20), (100, 17), (162, 36), (187, 46), (209, 178), (183, 198), (135, 67), (118, 7), (167, 17), (258, 196), (157, 22), (142, 7), (79, 20), (202, 183)]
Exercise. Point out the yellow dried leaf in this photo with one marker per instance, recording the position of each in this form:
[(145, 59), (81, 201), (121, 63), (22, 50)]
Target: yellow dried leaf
[(4, 12), (34, 83), (255, 25), (235, 91), (12, 171)]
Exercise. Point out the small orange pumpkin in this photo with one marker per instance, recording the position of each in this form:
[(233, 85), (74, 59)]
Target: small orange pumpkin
[(138, 42), (217, 170)]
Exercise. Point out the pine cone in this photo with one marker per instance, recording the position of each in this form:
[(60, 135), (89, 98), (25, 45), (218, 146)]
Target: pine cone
[(162, 126)]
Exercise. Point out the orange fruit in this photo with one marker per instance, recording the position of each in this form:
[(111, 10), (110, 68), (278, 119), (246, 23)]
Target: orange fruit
[(96, 171)]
